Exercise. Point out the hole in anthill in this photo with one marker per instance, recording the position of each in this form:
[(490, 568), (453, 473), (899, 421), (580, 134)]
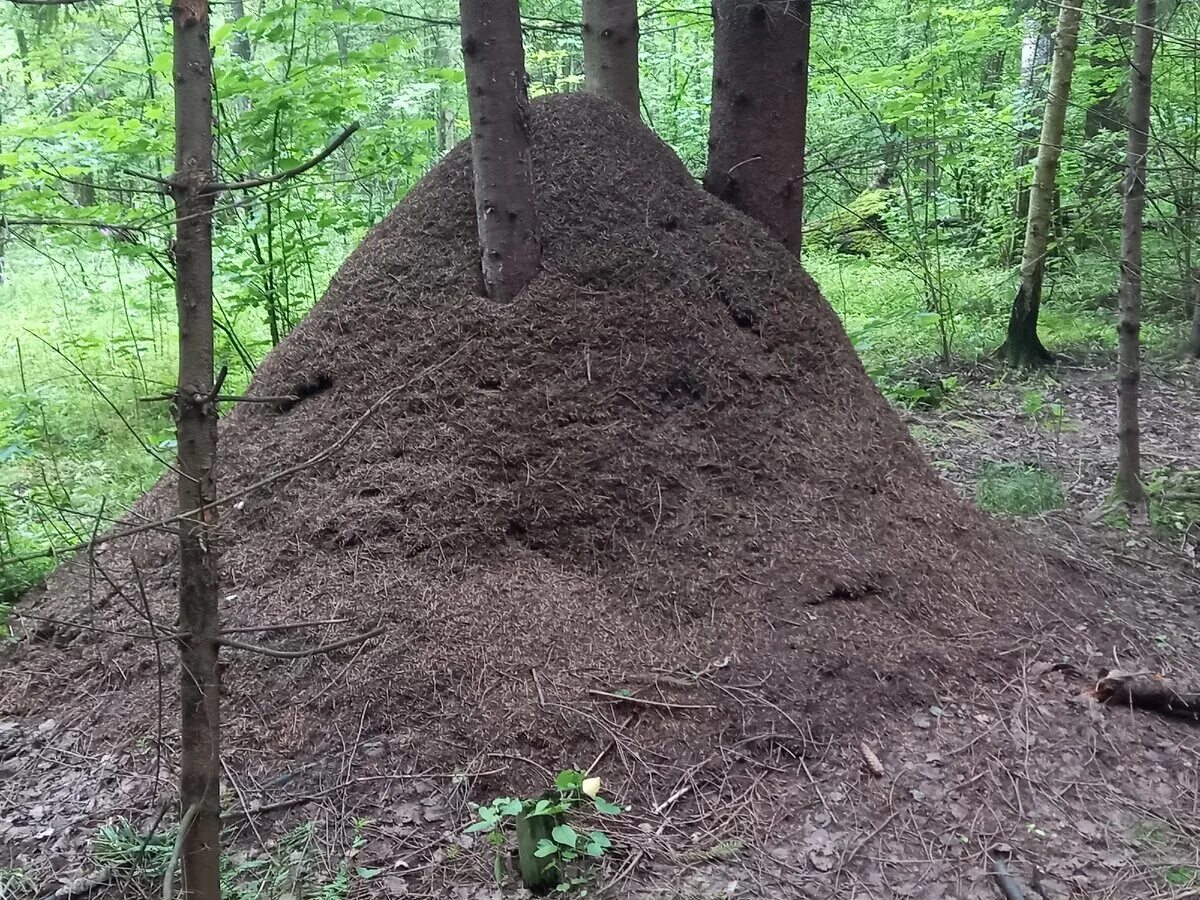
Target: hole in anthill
[(303, 390)]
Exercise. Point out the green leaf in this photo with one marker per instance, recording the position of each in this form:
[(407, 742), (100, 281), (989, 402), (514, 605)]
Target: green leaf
[(545, 848), (599, 837), (568, 779), (366, 873), (565, 835), (480, 826), (609, 809), (541, 808)]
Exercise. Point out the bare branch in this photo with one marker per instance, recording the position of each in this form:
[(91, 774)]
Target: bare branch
[(284, 626), (301, 654), (165, 182), (287, 173), (185, 823), (69, 223)]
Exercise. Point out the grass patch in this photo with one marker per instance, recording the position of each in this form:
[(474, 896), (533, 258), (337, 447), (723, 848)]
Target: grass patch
[(15, 883), (1017, 489), (884, 304), (1174, 503), (295, 866), (1181, 876)]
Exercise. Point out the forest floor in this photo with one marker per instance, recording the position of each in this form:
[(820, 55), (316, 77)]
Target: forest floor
[(698, 556), (1073, 799)]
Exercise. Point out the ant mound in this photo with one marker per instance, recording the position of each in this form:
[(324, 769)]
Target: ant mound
[(656, 493)]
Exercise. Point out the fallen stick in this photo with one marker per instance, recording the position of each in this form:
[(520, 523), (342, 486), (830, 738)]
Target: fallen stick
[(1143, 690)]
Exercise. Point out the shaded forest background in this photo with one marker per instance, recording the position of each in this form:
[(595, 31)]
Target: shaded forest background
[(923, 121)]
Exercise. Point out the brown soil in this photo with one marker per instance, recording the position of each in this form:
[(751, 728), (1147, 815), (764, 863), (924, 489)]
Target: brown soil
[(662, 470)]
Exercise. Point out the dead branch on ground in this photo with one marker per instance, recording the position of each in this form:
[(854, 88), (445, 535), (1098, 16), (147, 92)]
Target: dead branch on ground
[(1145, 690)]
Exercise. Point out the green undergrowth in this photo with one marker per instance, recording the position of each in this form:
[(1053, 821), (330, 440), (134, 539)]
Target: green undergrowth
[(1018, 489), (885, 308), (1173, 503), (296, 865), (80, 344)]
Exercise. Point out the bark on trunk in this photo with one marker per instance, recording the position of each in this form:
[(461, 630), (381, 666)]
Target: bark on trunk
[(196, 427), (610, 50), (498, 103), (759, 101), (1129, 366), (1023, 347)]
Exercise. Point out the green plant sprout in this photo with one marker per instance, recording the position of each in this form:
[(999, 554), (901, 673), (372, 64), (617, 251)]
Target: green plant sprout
[(548, 847)]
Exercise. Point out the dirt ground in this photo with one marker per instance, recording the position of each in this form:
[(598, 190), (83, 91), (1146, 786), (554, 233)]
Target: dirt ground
[(1075, 799)]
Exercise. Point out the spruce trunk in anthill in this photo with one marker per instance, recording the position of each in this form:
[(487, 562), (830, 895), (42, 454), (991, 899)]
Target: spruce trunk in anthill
[(498, 102), (1129, 366), (610, 50), (759, 102), (1023, 347)]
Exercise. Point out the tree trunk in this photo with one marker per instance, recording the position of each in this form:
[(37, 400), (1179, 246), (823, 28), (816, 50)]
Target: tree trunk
[(1195, 341), (339, 36), (1105, 58), (1029, 111), (1105, 116), (498, 103), (86, 190), (1023, 347), (610, 51), (196, 428), (760, 97), (444, 102), (241, 39), (1129, 365)]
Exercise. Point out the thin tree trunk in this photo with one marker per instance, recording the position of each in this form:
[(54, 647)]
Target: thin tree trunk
[(610, 50), (1105, 116), (339, 36), (1029, 109), (86, 190), (445, 97), (1195, 341), (23, 56), (1129, 365), (241, 39), (760, 98), (196, 427), (1023, 347), (498, 102)]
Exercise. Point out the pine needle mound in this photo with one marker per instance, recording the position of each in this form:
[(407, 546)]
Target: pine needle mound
[(661, 472)]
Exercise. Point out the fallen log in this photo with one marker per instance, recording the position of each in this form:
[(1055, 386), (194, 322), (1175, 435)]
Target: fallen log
[(1144, 690)]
